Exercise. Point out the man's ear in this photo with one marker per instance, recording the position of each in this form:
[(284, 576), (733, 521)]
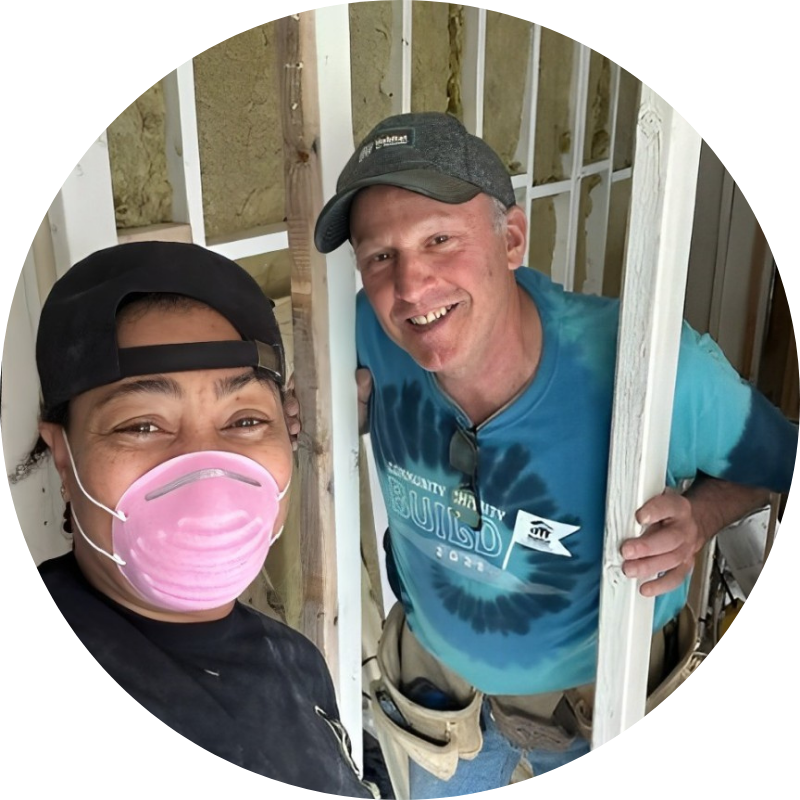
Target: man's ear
[(53, 435), (516, 236)]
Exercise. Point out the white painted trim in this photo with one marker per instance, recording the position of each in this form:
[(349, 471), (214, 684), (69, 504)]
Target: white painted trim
[(37, 501), (256, 242), (550, 189), (596, 168), (81, 217), (565, 186), (332, 26), (474, 68), (400, 58), (183, 150), (662, 206)]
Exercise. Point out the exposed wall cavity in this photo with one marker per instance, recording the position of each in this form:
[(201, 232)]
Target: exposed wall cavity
[(455, 33), (373, 85), (627, 112), (239, 127), (137, 152), (597, 142), (237, 93), (508, 43), (553, 145), (431, 56)]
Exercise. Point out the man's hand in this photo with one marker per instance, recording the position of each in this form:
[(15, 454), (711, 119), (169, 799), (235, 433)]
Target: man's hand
[(291, 412), (679, 525), (364, 389), (667, 548)]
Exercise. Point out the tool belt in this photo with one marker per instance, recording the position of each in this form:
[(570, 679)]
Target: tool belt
[(433, 715), (433, 737)]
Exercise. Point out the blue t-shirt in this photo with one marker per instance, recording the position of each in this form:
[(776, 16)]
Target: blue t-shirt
[(513, 606)]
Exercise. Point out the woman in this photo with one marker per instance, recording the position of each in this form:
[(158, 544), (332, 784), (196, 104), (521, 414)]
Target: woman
[(163, 379)]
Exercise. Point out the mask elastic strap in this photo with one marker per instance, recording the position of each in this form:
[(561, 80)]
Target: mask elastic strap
[(113, 556), (118, 514), (281, 495), (276, 536)]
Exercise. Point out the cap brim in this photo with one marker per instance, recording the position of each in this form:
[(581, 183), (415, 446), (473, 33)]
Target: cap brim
[(333, 224)]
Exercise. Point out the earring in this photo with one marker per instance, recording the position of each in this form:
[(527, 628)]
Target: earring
[(63, 492), (66, 524)]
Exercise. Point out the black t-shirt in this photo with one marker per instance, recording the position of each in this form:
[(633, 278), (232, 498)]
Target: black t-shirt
[(246, 688)]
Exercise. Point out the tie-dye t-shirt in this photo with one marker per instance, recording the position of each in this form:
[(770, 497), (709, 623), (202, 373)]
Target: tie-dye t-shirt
[(513, 606)]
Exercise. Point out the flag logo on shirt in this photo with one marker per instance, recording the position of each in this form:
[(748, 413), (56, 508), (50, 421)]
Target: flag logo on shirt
[(538, 533)]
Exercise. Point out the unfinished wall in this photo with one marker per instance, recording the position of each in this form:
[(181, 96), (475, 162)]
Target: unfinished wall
[(137, 152)]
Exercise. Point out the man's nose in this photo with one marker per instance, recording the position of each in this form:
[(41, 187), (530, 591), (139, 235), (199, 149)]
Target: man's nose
[(412, 276)]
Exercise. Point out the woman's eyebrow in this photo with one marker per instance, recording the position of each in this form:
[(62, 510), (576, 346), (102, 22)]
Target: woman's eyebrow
[(157, 385), (228, 386)]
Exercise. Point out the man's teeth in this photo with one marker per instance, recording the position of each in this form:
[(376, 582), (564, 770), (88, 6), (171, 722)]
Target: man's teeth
[(433, 315)]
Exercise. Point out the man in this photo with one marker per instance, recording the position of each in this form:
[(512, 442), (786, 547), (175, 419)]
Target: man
[(490, 422), (162, 376)]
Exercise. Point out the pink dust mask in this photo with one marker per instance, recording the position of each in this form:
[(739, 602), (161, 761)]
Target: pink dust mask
[(192, 533)]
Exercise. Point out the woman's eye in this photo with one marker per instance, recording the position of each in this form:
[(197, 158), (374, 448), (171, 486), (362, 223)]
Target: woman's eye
[(139, 428), (441, 238), (248, 422)]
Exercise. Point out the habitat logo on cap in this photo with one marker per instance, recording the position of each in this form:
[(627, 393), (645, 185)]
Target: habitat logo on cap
[(388, 139)]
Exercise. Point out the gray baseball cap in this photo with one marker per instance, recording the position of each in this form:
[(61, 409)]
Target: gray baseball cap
[(430, 153)]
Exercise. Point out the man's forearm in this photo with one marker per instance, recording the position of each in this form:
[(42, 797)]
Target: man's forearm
[(718, 503)]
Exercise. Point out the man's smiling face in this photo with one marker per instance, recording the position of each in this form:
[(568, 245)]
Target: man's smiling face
[(438, 275)]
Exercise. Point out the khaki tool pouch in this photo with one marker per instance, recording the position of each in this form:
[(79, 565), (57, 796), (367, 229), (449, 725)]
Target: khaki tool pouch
[(434, 739), (551, 721)]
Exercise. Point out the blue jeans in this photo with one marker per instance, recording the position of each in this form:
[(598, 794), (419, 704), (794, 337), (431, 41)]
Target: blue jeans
[(492, 767)]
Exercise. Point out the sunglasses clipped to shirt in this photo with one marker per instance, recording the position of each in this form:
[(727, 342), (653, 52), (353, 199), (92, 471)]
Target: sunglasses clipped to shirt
[(464, 459)]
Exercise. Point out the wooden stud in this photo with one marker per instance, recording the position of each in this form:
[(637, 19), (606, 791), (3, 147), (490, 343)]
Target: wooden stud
[(313, 55), (335, 146), (300, 126), (400, 58), (81, 217), (255, 242), (662, 204), (183, 151), (472, 78)]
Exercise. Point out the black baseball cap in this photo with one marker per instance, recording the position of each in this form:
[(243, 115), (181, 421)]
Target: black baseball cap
[(429, 153), (76, 345)]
